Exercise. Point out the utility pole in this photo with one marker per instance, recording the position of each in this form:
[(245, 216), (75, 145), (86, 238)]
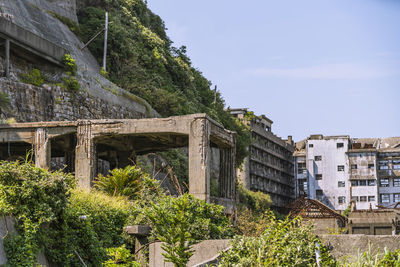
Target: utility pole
[(215, 94), (105, 43)]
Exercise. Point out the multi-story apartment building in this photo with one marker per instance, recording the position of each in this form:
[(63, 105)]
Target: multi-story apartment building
[(269, 166), (338, 170)]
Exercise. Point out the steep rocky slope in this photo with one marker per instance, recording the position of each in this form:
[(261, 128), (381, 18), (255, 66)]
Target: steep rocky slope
[(98, 97)]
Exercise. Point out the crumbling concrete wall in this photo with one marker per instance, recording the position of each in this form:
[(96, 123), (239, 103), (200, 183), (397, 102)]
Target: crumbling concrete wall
[(204, 252), (325, 225), (351, 245)]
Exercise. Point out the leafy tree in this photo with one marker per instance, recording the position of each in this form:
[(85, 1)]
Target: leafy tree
[(283, 243), (184, 221)]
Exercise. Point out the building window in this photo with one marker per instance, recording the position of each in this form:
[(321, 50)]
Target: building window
[(318, 176), (371, 198), (354, 166), (385, 198), (340, 168), (301, 167), (384, 167), (384, 182), (362, 183), (354, 199), (396, 197), (396, 182), (363, 199), (354, 183), (341, 184), (339, 145), (371, 182), (318, 158), (396, 167), (318, 193), (310, 145), (303, 187), (342, 200), (371, 166)]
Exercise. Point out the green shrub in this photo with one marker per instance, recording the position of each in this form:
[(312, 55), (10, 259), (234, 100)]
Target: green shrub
[(53, 217), (69, 64), (92, 223), (120, 257), (33, 77), (131, 182), (257, 201), (104, 73), (71, 83), (283, 243), (184, 221), (35, 198), (121, 182)]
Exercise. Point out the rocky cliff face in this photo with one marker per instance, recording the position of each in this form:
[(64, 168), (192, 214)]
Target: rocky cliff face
[(33, 15)]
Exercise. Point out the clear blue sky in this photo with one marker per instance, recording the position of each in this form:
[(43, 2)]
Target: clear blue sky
[(312, 66)]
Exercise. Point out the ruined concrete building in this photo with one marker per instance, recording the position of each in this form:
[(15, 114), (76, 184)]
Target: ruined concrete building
[(82, 144), (339, 170), (269, 167)]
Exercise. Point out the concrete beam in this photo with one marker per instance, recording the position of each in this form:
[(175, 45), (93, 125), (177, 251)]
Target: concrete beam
[(31, 41), (199, 159), (17, 135), (42, 149)]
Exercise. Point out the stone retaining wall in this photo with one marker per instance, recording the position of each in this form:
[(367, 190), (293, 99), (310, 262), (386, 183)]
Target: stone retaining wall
[(51, 103)]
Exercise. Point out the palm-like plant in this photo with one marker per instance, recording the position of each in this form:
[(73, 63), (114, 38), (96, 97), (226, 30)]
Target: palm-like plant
[(121, 182)]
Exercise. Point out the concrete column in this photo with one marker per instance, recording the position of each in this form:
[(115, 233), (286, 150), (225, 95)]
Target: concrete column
[(199, 159), (85, 156), (7, 52), (42, 149), (244, 173)]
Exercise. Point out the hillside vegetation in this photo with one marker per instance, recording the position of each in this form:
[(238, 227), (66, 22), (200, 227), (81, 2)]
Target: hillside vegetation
[(142, 60)]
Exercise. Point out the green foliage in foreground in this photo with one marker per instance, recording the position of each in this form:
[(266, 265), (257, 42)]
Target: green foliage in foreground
[(34, 197), (63, 222), (92, 223), (120, 257), (144, 62), (369, 259), (48, 214), (283, 243), (184, 221)]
